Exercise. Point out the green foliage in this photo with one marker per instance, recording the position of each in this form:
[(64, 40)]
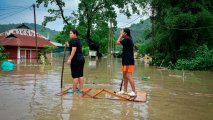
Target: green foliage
[(2, 55), (141, 34), (42, 54), (63, 36), (117, 51), (140, 31), (203, 60), (92, 18), (181, 27), (99, 37), (85, 51), (142, 48), (47, 49)]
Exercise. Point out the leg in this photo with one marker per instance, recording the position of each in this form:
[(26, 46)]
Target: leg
[(75, 83), (73, 67), (81, 82), (125, 80), (81, 74), (131, 81)]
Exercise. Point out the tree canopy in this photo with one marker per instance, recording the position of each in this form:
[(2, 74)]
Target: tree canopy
[(92, 17), (182, 26)]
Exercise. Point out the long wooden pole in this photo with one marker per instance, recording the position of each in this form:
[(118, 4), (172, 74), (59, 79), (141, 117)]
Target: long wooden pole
[(62, 71), (121, 84), (36, 42)]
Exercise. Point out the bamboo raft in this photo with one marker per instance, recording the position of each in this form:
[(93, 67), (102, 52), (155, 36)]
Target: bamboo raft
[(108, 94)]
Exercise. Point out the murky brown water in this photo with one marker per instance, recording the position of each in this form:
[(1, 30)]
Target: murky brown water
[(28, 93)]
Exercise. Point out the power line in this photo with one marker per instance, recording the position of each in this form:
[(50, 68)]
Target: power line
[(130, 22), (14, 11), (121, 14), (122, 21), (6, 15), (11, 7)]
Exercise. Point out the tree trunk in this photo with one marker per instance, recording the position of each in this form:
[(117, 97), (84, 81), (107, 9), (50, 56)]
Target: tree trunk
[(88, 36), (91, 44)]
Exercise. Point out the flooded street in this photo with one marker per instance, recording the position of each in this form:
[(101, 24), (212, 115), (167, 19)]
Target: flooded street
[(28, 93)]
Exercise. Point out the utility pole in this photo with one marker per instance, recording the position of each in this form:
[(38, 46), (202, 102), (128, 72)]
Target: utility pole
[(110, 37), (36, 42), (153, 31), (110, 50)]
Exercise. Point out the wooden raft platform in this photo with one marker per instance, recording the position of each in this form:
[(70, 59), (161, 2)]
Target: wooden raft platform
[(63, 92), (108, 94)]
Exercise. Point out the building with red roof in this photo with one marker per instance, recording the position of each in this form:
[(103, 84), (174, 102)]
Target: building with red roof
[(21, 43)]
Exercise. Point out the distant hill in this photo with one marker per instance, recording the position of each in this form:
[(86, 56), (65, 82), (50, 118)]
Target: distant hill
[(137, 30), (40, 29)]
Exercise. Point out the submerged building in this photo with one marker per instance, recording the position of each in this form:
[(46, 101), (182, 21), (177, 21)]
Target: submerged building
[(21, 43)]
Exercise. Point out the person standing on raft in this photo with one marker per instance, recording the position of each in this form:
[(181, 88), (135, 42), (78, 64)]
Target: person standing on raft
[(128, 62), (76, 60)]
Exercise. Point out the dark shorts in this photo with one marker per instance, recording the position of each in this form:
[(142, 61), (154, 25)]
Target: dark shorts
[(77, 68)]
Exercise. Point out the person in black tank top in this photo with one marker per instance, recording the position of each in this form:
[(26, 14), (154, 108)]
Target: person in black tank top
[(76, 60)]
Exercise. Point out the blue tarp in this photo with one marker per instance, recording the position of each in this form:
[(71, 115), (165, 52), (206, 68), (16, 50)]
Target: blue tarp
[(7, 65)]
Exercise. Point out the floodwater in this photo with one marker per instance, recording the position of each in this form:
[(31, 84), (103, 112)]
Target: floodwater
[(28, 93)]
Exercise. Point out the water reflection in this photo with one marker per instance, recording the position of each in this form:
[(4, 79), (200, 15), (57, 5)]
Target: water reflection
[(92, 64), (29, 91)]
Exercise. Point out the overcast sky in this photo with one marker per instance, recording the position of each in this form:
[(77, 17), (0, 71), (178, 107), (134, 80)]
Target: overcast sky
[(20, 11)]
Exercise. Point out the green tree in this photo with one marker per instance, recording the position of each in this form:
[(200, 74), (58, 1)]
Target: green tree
[(203, 60), (92, 16), (181, 27), (63, 36)]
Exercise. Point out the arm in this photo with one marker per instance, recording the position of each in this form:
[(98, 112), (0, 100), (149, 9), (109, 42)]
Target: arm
[(66, 44), (71, 55), (119, 40)]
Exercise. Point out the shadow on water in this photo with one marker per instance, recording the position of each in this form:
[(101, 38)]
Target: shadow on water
[(28, 92)]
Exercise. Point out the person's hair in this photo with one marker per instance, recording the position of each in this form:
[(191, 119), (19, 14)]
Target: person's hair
[(127, 31), (75, 32)]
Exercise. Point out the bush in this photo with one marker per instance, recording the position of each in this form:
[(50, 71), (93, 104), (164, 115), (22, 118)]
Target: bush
[(2, 55), (85, 51), (42, 54), (142, 48), (203, 60)]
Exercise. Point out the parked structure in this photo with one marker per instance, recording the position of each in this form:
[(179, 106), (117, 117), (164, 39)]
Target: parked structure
[(21, 43)]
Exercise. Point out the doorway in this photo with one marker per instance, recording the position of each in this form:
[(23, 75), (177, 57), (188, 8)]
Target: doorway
[(28, 56)]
